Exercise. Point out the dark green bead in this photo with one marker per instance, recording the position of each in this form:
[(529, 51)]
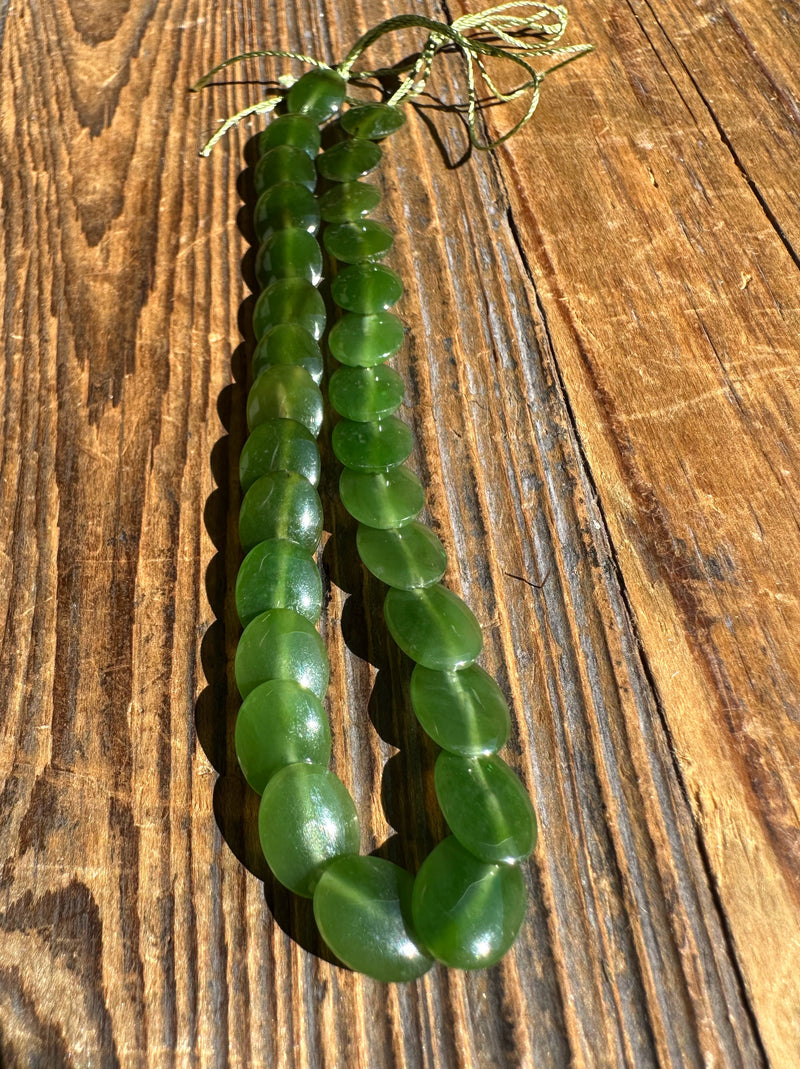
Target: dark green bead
[(285, 205), (284, 163), (288, 343), (464, 712), (277, 574), (279, 445), (382, 499), (406, 557), (290, 253), (372, 121), (306, 818), (350, 200), (363, 341), (281, 644), (349, 160), (281, 504), (362, 241), (366, 288), (374, 446), (433, 627), (467, 913), (280, 723), (318, 94), (285, 391), (290, 300), (362, 906), (365, 393), (296, 130)]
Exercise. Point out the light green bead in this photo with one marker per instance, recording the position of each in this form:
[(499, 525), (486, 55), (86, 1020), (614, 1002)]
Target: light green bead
[(361, 241), (278, 574), (279, 445), (288, 343), (349, 159), (281, 504), (289, 253), (433, 627), (281, 644), (286, 205), (405, 557), (463, 711), (285, 391), (349, 200), (284, 163), (367, 288), (290, 300), (374, 446), (365, 340), (365, 394), (382, 499)]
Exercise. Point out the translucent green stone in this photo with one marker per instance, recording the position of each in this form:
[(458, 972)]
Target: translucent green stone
[(362, 906), (382, 499), (288, 343), (405, 557), (318, 94), (281, 504), (433, 627), (281, 644), (374, 446), (280, 723), (350, 200), (372, 121), (306, 818), (296, 130), (363, 341), (366, 288), (467, 913), (349, 160), (361, 241), (279, 445), (277, 574), (365, 393), (285, 391), (291, 253), (290, 300), (464, 712), (285, 205), (284, 163)]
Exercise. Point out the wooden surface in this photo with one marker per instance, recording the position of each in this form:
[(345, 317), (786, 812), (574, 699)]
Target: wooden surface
[(603, 384)]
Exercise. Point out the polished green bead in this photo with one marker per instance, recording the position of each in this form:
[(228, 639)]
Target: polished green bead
[(433, 627), (285, 205), (290, 300), (405, 557), (296, 130), (288, 343), (375, 446), (280, 723), (363, 341), (362, 906), (365, 393), (281, 644), (467, 913), (284, 163), (349, 160), (305, 820), (281, 504), (372, 121), (464, 711), (318, 94), (382, 499), (285, 391), (279, 445), (367, 288), (350, 200), (361, 241), (277, 574), (290, 253)]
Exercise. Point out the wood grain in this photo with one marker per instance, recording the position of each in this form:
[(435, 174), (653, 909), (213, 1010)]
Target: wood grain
[(602, 367)]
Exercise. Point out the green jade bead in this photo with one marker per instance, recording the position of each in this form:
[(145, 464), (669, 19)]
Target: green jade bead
[(367, 288), (408, 557), (279, 445), (288, 343), (349, 160), (290, 253), (280, 723), (281, 504), (362, 906), (349, 201), (364, 341), (278, 574), (281, 644), (285, 391), (363, 394), (290, 300), (298, 131), (433, 627), (467, 913), (382, 499), (464, 712), (486, 807), (285, 205), (372, 121), (319, 95), (362, 241), (284, 163), (376, 446)]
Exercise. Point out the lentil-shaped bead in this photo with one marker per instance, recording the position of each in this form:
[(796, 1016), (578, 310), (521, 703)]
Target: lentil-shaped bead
[(433, 627), (284, 163), (288, 343), (290, 300), (285, 391), (348, 201), (363, 394), (372, 121), (406, 557), (463, 711), (358, 241), (289, 253), (319, 94), (365, 340), (278, 574), (367, 288), (281, 644), (279, 445), (281, 504), (374, 446), (382, 499), (286, 205), (296, 130), (349, 160)]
